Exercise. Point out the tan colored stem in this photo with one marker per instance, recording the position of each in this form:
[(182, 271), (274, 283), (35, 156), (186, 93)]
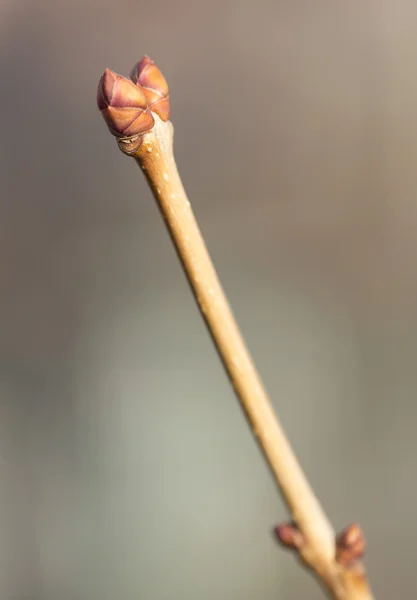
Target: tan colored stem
[(156, 159)]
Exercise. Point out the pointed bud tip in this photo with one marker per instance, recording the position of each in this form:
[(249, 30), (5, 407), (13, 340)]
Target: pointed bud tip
[(108, 73), (139, 67), (105, 87), (148, 76), (109, 76), (146, 60)]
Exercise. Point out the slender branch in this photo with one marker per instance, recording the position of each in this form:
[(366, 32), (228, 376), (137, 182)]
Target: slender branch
[(317, 548), (155, 157), (336, 565)]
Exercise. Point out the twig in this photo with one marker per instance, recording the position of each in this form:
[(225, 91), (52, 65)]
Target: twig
[(336, 563)]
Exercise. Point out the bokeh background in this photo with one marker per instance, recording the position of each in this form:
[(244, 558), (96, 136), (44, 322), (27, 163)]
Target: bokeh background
[(126, 467)]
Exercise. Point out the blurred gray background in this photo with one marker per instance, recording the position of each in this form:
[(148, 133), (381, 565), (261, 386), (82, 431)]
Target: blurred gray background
[(126, 467)]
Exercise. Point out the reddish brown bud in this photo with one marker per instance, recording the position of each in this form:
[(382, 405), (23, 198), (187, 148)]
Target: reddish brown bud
[(123, 106), (289, 535), (350, 545), (147, 75)]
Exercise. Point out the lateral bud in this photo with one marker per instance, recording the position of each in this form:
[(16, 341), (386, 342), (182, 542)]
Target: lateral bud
[(289, 535), (148, 76), (350, 545), (123, 106)]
